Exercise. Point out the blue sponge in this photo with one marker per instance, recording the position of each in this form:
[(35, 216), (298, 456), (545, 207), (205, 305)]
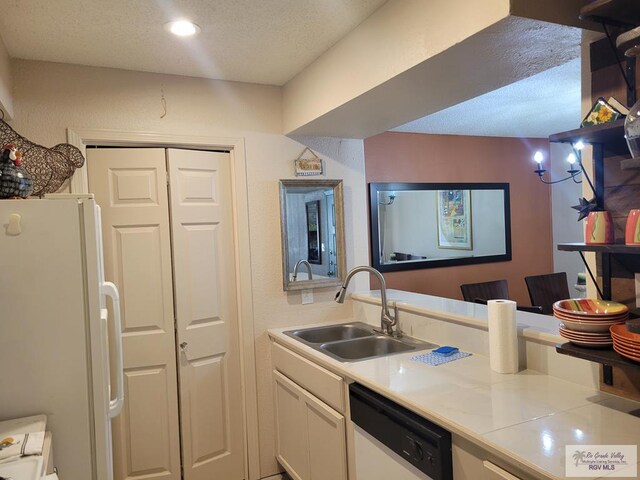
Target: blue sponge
[(445, 351)]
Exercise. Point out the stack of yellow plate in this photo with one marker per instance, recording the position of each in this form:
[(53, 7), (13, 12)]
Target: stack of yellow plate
[(586, 322)]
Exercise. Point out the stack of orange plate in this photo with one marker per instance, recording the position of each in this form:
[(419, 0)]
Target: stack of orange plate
[(586, 321), (626, 343)]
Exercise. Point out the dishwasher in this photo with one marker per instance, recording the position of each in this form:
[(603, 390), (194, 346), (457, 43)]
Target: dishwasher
[(392, 442)]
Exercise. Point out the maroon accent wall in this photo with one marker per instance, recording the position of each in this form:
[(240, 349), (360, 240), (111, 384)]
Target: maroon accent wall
[(409, 157)]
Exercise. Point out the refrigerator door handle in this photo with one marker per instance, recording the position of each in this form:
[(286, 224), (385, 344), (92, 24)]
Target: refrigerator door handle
[(115, 404)]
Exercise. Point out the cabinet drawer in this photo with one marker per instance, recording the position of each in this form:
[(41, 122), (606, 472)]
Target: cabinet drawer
[(472, 462), (320, 382), (494, 472)]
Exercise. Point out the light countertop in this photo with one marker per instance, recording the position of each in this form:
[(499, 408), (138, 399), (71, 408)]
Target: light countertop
[(528, 416)]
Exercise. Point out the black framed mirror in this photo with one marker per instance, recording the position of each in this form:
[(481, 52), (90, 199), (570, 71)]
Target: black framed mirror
[(428, 225)]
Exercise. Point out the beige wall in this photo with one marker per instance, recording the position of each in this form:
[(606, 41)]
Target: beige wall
[(52, 97), (6, 81)]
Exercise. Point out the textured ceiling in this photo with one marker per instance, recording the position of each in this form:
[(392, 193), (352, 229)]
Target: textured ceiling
[(256, 41), (538, 106)]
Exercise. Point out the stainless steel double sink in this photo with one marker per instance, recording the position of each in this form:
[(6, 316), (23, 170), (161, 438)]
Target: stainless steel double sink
[(349, 342)]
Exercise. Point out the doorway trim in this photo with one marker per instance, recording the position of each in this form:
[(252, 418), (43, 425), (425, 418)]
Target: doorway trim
[(79, 183)]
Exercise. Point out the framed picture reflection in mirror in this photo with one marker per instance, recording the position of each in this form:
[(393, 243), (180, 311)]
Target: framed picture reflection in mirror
[(454, 219)]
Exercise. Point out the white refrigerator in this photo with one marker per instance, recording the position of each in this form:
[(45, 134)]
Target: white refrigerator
[(54, 327)]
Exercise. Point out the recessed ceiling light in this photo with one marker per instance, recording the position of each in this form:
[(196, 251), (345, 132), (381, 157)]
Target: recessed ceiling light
[(182, 28)]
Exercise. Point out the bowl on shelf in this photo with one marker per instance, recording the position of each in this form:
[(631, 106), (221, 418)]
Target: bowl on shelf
[(588, 326), (581, 319), (587, 321), (590, 308)]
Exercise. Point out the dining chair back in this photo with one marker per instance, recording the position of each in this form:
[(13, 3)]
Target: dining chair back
[(545, 290), (485, 290)]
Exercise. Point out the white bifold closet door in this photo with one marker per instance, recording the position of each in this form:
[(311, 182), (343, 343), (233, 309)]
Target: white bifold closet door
[(170, 250), (206, 315)]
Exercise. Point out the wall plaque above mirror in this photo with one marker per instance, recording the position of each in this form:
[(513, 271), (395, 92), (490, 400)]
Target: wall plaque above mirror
[(312, 223), (427, 225)]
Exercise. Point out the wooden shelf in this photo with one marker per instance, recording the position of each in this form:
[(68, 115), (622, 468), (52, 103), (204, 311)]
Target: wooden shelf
[(610, 135), (599, 355), (613, 248), (619, 13)]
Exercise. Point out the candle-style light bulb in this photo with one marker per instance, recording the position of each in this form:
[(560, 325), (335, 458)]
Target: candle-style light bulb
[(572, 158), (579, 145), (538, 157)]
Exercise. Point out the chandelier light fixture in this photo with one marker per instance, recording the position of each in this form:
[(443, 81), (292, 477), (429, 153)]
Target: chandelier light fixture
[(576, 168), (574, 159)]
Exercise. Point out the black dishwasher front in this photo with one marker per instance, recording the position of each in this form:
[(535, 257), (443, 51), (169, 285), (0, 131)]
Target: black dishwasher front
[(420, 442)]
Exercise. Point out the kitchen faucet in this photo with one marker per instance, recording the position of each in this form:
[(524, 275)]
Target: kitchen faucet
[(295, 269), (387, 321)]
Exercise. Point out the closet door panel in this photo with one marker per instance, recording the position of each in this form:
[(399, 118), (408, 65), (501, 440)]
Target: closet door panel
[(206, 315), (130, 187)]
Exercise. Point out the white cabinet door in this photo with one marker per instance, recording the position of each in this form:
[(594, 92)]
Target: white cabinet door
[(291, 432), (206, 315), (310, 435), (130, 186), (326, 440)]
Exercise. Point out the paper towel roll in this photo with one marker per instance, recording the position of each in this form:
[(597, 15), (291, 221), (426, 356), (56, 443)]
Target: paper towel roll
[(503, 336)]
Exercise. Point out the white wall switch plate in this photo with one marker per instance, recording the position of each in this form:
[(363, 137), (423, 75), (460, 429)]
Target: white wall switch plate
[(307, 296), (637, 276)]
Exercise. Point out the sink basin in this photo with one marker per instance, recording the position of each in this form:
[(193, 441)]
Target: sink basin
[(356, 341), (332, 333), (366, 347)]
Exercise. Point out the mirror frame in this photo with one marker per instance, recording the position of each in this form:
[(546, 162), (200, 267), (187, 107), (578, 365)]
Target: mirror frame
[(374, 188), (341, 257)]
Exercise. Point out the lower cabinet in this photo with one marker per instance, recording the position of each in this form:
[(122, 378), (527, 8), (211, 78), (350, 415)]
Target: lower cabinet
[(310, 435), (311, 416)]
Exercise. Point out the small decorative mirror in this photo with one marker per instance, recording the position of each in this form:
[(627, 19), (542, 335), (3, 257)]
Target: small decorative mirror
[(426, 225), (312, 223)]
